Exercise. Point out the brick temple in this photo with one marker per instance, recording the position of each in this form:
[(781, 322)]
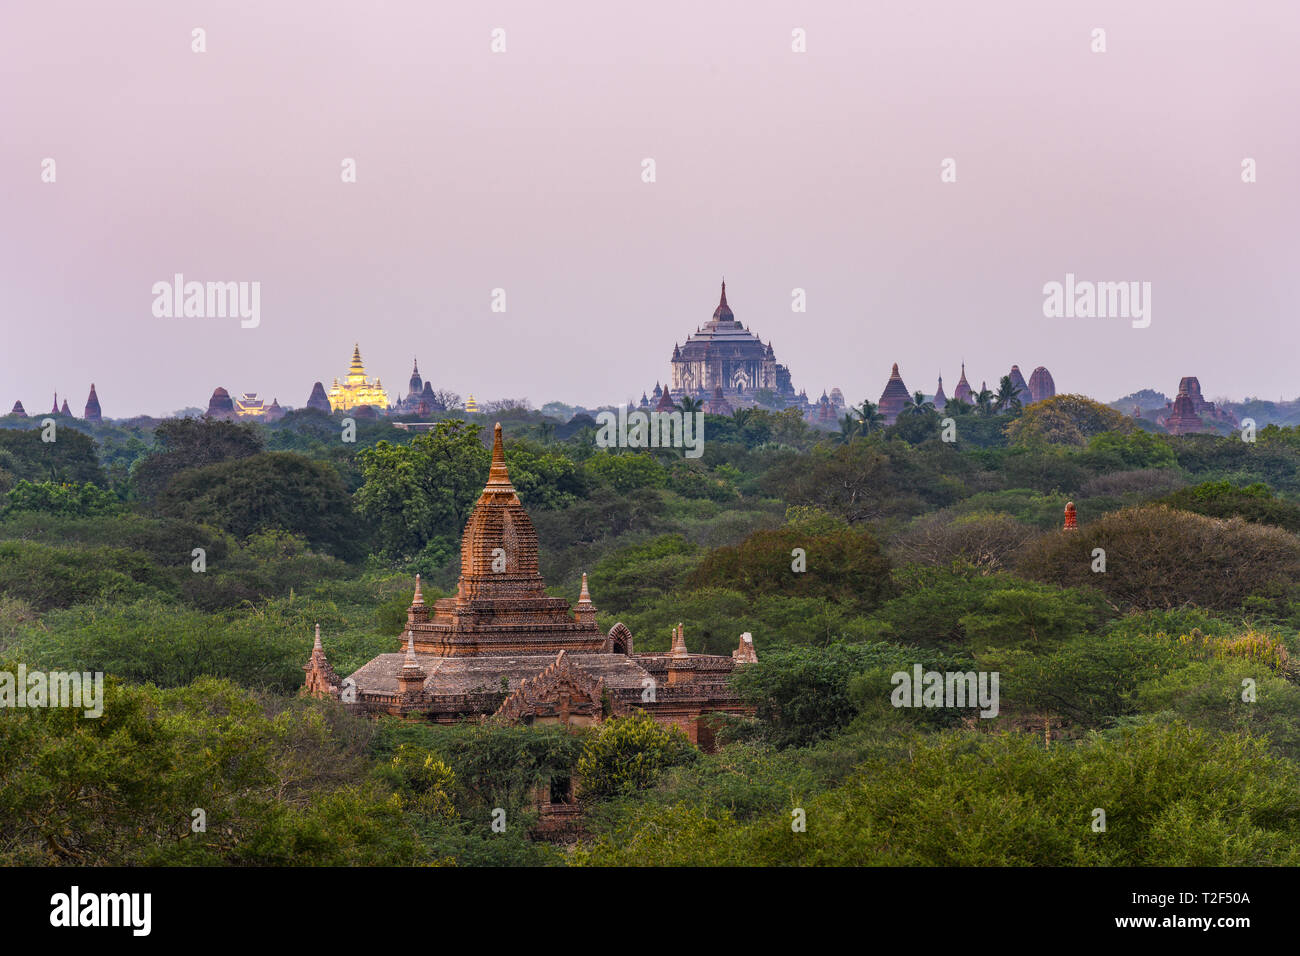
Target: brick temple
[(503, 647)]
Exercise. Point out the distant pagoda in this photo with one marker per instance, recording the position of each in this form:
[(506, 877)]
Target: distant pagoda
[(963, 391), (894, 398), (221, 406), (723, 354), (1041, 385), (318, 400), (92, 406), (356, 389)]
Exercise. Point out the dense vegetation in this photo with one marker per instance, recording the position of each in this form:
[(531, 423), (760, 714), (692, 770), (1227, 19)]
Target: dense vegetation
[(189, 560)]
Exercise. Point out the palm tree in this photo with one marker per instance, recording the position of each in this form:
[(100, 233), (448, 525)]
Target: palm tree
[(688, 404), (741, 416), (849, 427), (868, 418), (1008, 396), (984, 402), (917, 405), (957, 407)]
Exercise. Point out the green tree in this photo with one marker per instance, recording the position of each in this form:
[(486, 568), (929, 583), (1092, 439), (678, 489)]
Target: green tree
[(421, 492), (1008, 396), (628, 754), (70, 459), (918, 405), (625, 472), (184, 443), (77, 500), (269, 491)]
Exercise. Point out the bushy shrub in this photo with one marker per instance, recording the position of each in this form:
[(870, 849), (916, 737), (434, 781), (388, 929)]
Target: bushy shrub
[(1157, 557), (1255, 503), (70, 500), (845, 566), (989, 542), (628, 754)]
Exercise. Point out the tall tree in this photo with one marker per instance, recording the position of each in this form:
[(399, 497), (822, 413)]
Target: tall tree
[(419, 492), (1008, 396)]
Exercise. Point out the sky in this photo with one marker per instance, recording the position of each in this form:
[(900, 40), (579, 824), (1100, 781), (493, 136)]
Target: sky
[(523, 171)]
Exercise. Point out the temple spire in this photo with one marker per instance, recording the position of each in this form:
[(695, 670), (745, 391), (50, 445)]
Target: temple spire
[(418, 600), (723, 311), (584, 597), (679, 642), (317, 645), (498, 475)]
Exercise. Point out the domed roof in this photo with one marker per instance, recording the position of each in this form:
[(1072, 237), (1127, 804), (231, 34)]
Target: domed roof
[(1041, 385)]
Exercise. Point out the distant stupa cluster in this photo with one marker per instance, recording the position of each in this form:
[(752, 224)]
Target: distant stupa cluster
[(356, 394), (896, 397), (721, 368), (92, 412)]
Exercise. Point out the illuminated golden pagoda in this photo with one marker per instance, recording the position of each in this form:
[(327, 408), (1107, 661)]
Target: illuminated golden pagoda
[(471, 406), (357, 390)]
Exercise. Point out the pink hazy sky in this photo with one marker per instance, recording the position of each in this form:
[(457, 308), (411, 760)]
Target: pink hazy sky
[(522, 171)]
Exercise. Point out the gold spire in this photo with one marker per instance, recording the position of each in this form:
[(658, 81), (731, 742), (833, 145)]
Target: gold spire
[(498, 476)]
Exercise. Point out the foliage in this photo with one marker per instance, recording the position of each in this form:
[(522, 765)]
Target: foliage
[(1173, 797), (191, 443), (844, 566), (271, 491), (1222, 499), (83, 500), (1160, 558), (627, 754), (1066, 420), (419, 492), (276, 785), (70, 459)]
